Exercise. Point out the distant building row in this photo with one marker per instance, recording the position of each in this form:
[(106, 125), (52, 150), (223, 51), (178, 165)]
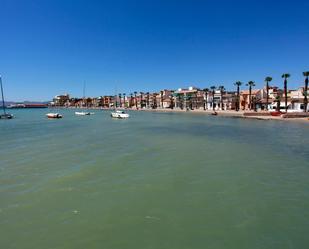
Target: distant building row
[(194, 98)]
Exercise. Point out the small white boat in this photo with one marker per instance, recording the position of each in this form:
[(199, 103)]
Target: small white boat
[(53, 115), (82, 113), (119, 114)]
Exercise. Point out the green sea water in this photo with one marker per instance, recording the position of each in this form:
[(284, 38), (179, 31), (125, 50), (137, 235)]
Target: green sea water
[(154, 181)]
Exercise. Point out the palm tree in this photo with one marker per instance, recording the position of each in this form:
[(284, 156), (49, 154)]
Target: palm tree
[(306, 74), (161, 98), (196, 100), (135, 99), (189, 97), (213, 88), (124, 99), (180, 100), (285, 76), (142, 99), (221, 89), (154, 96), (267, 80), (147, 94), (250, 84), (238, 84), (131, 102), (206, 90), (120, 104), (172, 99), (278, 101)]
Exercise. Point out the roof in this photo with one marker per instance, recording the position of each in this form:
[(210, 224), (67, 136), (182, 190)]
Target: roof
[(187, 91)]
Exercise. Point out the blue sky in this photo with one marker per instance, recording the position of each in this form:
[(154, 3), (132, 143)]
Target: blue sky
[(51, 47)]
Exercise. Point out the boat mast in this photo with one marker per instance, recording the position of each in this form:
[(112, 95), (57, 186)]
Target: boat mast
[(3, 105), (84, 94)]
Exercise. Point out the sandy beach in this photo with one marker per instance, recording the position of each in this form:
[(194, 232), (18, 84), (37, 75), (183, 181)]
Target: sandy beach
[(226, 113)]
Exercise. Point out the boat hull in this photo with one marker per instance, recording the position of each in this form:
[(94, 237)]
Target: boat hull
[(6, 116), (276, 113), (82, 113), (119, 115), (54, 115)]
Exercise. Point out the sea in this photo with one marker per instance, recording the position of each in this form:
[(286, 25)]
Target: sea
[(153, 181)]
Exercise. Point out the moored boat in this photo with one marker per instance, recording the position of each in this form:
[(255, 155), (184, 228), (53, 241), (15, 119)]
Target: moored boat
[(5, 115), (53, 115), (276, 113), (119, 114), (82, 113)]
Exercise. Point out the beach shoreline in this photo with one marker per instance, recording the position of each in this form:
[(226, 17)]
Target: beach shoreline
[(225, 113)]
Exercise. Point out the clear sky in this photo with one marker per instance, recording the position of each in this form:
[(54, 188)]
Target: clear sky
[(52, 47)]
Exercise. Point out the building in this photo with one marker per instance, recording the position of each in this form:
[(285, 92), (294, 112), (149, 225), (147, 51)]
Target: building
[(61, 100)]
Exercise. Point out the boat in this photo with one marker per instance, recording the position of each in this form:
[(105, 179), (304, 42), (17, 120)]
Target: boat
[(119, 114), (5, 115), (54, 115), (276, 113), (82, 113)]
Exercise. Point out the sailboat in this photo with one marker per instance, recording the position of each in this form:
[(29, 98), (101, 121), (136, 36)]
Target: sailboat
[(5, 115), (118, 113), (83, 113)]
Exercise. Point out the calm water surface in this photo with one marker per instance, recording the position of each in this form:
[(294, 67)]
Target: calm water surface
[(156, 180)]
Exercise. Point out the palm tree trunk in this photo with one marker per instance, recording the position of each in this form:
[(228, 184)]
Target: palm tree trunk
[(267, 95), (135, 101), (238, 100), (221, 100), (305, 95), (205, 102), (286, 95), (250, 93), (213, 100)]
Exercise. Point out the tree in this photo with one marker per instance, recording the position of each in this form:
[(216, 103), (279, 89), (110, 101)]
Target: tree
[(285, 76), (161, 98), (142, 99), (135, 99), (154, 97), (267, 80), (131, 102), (172, 99), (120, 103), (238, 84), (305, 93), (196, 100), (278, 100), (206, 91), (147, 94), (180, 100), (213, 88), (250, 84), (221, 89), (124, 99)]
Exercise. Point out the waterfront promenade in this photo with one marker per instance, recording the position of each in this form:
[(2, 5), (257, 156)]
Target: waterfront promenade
[(262, 115)]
